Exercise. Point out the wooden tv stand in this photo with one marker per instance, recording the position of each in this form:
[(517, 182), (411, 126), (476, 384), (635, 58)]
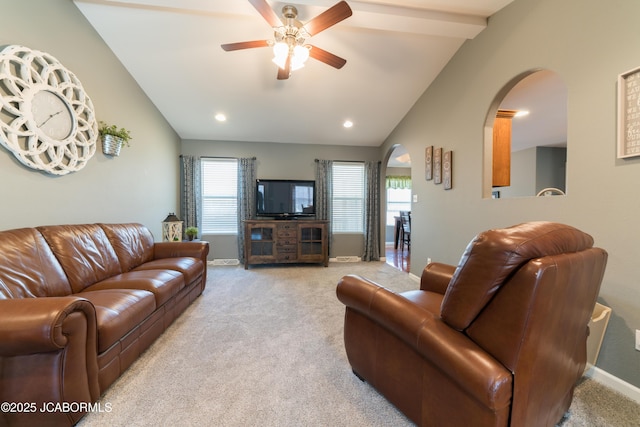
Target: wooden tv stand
[(286, 242)]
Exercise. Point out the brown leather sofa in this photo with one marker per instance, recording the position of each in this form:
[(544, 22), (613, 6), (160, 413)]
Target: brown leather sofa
[(498, 340), (78, 305)]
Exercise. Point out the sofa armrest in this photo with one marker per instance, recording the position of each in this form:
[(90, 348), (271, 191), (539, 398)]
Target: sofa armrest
[(436, 277), (35, 325), (181, 249), (450, 351)]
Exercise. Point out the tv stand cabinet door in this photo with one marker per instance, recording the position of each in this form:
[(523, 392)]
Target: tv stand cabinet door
[(313, 243), (259, 243)]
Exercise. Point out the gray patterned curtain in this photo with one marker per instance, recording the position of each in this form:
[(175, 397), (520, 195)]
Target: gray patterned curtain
[(246, 198), (191, 195), (371, 212), (324, 178)]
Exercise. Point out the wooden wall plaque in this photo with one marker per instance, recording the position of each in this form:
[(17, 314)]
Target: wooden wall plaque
[(629, 114)]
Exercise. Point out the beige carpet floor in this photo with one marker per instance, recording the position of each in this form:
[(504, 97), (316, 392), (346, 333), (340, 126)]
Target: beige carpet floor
[(263, 347)]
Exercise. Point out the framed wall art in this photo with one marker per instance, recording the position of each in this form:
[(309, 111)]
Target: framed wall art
[(437, 166), (629, 114), (428, 163), (447, 165)]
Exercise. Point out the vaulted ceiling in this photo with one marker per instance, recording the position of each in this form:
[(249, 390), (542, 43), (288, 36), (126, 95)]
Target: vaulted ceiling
[(394, 50)]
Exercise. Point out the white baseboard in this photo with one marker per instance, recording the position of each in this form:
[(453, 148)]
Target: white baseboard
[(352, 258), (414, 277), (224, 262), (613, 382)]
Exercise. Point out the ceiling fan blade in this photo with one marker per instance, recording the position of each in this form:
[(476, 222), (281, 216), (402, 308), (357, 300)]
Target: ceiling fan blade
[(267, 13), (244, 45), (283, 73), (326, 57), (329, 17)]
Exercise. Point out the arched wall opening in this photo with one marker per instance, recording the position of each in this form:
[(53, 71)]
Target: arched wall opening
[(525, 137)]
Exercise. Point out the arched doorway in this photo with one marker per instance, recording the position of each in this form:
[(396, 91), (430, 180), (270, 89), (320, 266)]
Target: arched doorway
[(397, 190)]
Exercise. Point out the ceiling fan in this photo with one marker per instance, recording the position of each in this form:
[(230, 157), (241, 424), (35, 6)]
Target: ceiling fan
[(290, 51)]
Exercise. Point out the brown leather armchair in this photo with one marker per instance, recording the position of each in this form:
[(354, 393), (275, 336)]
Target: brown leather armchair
[(498, 340)]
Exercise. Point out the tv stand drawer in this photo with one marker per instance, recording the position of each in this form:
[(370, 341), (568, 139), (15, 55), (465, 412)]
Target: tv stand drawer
[(287, 249)]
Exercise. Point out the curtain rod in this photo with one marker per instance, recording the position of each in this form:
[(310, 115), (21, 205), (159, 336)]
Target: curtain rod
[(221, 157), (347, 161)]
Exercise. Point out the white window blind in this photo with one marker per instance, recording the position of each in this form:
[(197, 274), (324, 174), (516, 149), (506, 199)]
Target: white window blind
[(398, 199), (219, 196), (348, 198)]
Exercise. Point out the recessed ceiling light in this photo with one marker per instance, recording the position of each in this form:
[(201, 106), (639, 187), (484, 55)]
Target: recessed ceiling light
[(221, 117), (347, 123)]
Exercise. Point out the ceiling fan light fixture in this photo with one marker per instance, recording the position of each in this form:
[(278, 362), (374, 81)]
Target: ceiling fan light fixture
[(290, 52)]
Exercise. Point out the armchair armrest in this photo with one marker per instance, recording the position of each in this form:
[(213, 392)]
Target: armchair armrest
[(35, 325), (436, 277), (385, 307), (181, 249), (450, 351)]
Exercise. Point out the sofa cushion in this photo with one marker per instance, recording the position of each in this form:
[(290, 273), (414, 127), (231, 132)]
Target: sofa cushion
[(119, 311), (163, 284), (29, 269), (133, 243), (494, 255), (191, 268), (84, 251)]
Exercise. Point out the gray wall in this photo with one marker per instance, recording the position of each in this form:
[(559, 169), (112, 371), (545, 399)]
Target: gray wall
[(281, 161), (589, 43), (141, 184), (523, 174), (536, 168), (551, 168)]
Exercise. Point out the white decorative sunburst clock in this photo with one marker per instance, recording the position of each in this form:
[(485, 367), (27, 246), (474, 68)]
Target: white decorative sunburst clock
[(46, 119)]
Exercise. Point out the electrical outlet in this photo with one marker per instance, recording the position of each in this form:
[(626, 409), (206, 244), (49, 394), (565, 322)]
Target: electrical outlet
[(638, 339), (428, 260)]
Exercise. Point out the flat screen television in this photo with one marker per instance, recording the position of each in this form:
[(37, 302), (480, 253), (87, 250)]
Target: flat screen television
[(285, 198)]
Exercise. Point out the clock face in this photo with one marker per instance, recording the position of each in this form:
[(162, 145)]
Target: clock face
[(52, 115), (47, 121)]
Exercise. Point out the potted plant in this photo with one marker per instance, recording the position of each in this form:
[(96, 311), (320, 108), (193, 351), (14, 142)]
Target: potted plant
[(191, 232), (113, 138)]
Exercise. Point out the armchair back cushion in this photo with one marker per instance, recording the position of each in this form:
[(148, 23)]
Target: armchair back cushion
[(492, 256), (28, 268)]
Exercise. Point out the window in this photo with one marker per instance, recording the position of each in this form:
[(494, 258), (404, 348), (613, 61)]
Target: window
[(398, 199), (219, 196), (348, 198)]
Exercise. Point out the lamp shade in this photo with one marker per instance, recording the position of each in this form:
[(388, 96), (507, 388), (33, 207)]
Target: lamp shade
[(171, 228), (300, 56), (280, 53)]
